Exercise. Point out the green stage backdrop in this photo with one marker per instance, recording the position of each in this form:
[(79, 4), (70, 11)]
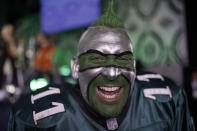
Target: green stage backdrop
[(156, 27)]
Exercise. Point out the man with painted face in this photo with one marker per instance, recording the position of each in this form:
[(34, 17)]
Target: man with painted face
[(109, 95)]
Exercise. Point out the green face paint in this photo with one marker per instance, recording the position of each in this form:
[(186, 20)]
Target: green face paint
[(94, 60), (105, 106), (107, 97)]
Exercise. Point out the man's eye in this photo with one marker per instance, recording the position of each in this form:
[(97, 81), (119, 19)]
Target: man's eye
[(97, 59), (123, 59)]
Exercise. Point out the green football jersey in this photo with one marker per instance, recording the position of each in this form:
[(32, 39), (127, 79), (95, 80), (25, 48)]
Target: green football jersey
[(156, 104)]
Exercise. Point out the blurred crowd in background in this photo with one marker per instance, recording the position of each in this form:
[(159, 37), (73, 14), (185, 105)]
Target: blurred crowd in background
[(38, 39), (25, 66)]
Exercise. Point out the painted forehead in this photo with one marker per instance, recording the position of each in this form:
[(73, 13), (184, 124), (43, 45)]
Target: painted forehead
[(105, 40)]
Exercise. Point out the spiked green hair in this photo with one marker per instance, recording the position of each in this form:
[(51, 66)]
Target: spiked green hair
[(109, 18)]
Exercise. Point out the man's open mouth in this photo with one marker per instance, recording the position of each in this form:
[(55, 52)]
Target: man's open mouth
[(109, 93)]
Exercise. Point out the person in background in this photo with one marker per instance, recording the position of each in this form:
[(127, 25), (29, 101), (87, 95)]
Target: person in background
[(43, 62), (8, 51)]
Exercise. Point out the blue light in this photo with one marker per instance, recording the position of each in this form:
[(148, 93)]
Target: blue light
[(59, 15)]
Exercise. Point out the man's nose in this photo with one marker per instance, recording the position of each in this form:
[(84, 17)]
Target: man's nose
[(111, 72)]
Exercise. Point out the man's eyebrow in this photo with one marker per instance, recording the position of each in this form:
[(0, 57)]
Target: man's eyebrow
[(92, 51), (100, 53), (124, 53)]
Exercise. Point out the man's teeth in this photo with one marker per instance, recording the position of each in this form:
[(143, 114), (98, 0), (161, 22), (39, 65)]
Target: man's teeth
[(109, 88), (108, 96)]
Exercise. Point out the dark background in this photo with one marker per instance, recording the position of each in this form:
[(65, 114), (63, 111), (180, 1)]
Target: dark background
[(12, 10), (192, 47)]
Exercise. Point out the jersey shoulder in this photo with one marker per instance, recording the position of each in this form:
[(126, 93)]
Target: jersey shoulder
[(155, 85), (50, 101)]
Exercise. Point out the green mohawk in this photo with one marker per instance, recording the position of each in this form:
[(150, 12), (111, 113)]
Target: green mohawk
[(109, 18)]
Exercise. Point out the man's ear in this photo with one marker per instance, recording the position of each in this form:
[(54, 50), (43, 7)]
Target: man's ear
[(74, 64)]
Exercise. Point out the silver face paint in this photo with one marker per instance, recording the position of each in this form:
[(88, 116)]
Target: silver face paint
[(111, 72), (108, 41), (105, 40)]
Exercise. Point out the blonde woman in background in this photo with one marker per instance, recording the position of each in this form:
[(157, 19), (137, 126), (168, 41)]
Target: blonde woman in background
[(8, 51)]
